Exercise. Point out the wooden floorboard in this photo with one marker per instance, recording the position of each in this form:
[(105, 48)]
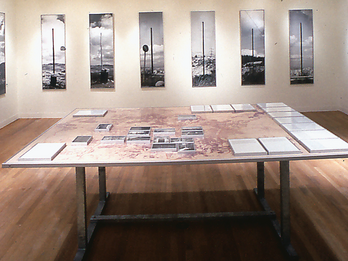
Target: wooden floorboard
[(38, 207)]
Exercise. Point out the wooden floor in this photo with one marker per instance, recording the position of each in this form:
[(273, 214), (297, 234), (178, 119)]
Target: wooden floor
[(38, 207)]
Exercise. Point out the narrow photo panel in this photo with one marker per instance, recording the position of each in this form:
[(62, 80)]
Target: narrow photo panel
[(151, 49), (203, 48), (252, 35), (101, 40), (2, 54), (53, 51), (301, 46)]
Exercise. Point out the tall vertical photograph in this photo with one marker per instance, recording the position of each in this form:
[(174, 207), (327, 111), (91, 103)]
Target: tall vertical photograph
[(301, 46), (252, 35), (151, 49), (203, 48), (2, 54), (101, 39), (53, 51)]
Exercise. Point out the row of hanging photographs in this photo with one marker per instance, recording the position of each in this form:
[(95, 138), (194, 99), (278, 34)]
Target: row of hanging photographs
[(203, 49)]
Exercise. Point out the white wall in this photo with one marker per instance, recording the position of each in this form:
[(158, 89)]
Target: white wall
[(324, 94), (8, 101), (341, 43)]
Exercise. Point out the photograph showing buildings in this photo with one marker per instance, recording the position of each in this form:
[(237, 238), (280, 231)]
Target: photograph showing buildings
[(101, 38), (203, 48), (2, 54), (252, 28), (151, 49), (53, 51), (301, 46)]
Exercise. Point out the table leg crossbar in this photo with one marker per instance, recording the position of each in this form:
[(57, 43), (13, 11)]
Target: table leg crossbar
[(85, 235)]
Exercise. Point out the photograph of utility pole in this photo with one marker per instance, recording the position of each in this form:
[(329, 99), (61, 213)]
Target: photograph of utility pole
[(203, 48), (301, 46), (151, 49), (53, 51), (101, 39), (252, 35)]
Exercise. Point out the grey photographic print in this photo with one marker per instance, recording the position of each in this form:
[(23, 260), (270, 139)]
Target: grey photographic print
[(301, 46), (101, 39), (151, 49), (53, 51), (2, 54), (203, 48), (252, 34)]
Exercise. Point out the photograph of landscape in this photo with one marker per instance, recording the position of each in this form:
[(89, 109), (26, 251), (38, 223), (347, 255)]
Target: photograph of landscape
[(2, 54), (53, 51), (252, 32), (151, 49), (301, 46), (101, 39), (203, 48)]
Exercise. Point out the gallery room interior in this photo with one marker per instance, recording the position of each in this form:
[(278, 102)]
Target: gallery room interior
[(46, 207)]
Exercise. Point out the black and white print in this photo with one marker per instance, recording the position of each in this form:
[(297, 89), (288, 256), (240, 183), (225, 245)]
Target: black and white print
[(2, 54), (53, 51), (151, 49), (101, 39), (301, 46), (203, 48), (252, 31)]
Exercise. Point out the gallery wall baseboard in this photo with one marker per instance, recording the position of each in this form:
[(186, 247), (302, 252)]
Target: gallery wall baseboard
[(344, 110), (8, 121), (43, 115)]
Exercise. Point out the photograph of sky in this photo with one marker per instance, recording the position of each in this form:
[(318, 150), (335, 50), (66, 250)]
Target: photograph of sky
[(301, 46)]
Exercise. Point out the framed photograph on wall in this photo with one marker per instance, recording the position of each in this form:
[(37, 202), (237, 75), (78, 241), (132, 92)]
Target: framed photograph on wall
[(101, 41), (53, 51), (203, 48), (151, 49), (2, 55), (252, 35), (301, 46)]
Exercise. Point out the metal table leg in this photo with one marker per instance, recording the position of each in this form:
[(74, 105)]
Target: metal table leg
[(85, 234), (81, 212), (285, 202), (283, 229), (261, 179), (102, 183)]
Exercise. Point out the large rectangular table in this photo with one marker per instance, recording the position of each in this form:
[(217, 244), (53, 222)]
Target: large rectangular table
[(211, 149)]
